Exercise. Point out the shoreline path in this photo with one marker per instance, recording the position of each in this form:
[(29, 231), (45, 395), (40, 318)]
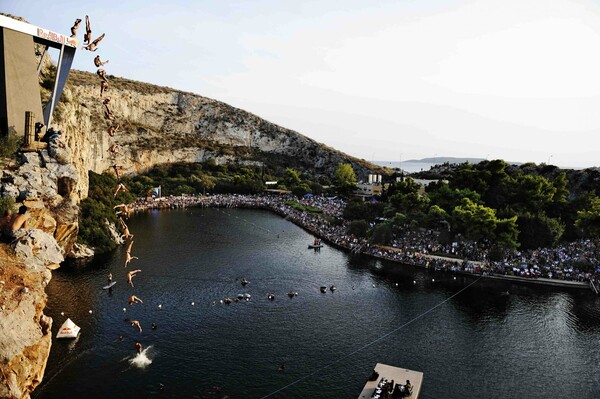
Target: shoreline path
[(547, 266)]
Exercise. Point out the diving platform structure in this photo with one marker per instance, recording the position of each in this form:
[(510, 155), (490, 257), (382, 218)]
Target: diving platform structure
[(20, 99), (392, 374)]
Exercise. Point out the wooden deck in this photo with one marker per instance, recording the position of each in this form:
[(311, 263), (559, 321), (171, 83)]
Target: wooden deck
[(399, 376)]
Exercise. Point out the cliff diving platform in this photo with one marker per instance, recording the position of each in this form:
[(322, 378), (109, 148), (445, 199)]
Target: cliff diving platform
[(395, 374)]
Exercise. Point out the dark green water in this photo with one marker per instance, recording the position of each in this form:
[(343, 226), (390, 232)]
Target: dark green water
[(534, 343)]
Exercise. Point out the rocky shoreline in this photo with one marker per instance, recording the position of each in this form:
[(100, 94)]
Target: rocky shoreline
[(45, 182)]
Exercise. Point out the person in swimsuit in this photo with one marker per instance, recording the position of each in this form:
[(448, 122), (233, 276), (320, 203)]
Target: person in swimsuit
[(18, 226), (92, 46), (130, 276), (98, 62), (134, 299), (87, 36), (137, 324), (75, 27)]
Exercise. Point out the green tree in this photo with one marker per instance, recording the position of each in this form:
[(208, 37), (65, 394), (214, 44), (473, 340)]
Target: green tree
[(345, 175), (292, 177), (474, 221), (532, 193), (358, 228), (357, 209), (382, 234), (538, 230), (588, 220)]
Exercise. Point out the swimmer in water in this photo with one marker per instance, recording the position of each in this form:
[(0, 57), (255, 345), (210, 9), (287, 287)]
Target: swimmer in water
[(138, 347), (153, 326)]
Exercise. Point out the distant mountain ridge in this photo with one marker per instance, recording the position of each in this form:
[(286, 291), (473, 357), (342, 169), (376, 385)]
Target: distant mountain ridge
[(446, 159)]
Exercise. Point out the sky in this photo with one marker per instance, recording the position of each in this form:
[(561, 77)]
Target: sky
[(380, 80)]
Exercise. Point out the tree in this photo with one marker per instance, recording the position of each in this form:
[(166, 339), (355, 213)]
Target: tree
[(538, 230), (292, 177), (588, 220), (357, 209), (345, 175), (358, 228), (474, 220), (382, 234)]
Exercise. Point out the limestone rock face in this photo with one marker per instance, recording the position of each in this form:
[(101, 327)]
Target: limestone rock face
[(25, 332), (81, 251), (161, 125), (38, 249)]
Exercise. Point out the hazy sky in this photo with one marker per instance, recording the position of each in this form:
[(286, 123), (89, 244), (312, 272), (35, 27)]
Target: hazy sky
[(380, 80)]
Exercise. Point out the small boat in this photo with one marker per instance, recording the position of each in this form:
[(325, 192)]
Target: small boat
[(315, 246), (244, 281), (333, 288), (244, 297), (323, 289), (228, 300), (68, 330)]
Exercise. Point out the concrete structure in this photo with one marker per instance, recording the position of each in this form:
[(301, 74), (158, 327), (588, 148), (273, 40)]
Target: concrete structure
[(398, 375), (19, 69), (368, 190)]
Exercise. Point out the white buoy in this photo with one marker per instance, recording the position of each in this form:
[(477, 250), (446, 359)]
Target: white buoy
[(90, 311), (124, 309), (455, 277), (62, 313), (221, 301), (193, 303), (159, 306), (414, 282), (396, 284), (433, 280)]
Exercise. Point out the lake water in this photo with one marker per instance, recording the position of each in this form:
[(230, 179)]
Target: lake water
[(534, 343)]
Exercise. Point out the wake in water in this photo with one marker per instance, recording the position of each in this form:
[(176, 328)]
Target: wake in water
[(141, 360)]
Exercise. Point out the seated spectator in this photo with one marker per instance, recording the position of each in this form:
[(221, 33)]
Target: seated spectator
[(18, 226)]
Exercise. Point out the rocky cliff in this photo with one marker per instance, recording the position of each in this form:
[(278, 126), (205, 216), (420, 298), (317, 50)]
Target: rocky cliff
[(161, 125), (44, 182)]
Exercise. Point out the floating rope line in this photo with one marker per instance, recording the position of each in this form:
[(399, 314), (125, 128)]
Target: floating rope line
[(370, 343)]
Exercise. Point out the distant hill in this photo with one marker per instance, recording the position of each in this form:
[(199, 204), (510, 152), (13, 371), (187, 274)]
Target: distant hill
[(435, 160)]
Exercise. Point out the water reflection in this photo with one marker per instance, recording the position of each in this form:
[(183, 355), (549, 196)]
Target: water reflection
[(487, 344)]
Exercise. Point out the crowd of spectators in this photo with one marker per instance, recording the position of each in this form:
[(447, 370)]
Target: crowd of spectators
[(415, 247)]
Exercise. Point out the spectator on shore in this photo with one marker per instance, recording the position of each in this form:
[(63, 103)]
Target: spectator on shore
[(18, 225)]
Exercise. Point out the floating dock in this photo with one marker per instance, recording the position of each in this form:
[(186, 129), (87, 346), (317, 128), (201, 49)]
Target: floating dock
[(398, 375)]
